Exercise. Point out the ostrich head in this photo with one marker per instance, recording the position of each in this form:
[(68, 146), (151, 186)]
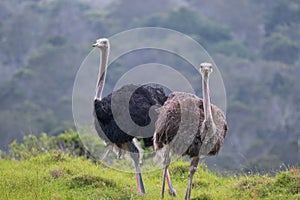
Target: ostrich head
[(102, 43), (205, 69)]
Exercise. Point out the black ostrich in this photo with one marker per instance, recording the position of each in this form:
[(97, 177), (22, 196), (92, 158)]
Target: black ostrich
[(189, 125), (141, 103)]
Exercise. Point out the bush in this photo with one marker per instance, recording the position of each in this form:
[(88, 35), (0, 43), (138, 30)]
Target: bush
[(68, 143)]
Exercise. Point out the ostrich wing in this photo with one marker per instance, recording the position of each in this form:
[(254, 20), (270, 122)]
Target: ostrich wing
[(221, 125), (178, 122)]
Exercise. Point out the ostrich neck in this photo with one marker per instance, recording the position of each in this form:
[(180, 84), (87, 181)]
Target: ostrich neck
[(102, 73), (206, 100)]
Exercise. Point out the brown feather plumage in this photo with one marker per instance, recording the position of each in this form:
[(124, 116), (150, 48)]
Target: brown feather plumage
[(169, 122)]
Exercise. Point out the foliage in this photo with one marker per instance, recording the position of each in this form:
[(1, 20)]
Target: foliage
[(280, 48), (231, 48), (192, 23), (68, 143), (283, 14)]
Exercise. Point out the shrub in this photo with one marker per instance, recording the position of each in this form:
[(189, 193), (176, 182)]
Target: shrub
[(68, 143)]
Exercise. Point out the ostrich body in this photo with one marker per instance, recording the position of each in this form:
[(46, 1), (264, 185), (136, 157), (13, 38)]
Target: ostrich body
[(141, 100), (189, 125), (140, 103)]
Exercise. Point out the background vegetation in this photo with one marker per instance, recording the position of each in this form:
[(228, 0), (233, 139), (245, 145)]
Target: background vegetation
[(256, 45)]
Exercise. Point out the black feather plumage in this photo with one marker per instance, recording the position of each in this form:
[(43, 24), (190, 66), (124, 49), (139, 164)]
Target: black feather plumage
[(141, 100)]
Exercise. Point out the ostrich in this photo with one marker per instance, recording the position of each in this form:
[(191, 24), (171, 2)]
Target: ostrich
[(140, 105), (202, 132)]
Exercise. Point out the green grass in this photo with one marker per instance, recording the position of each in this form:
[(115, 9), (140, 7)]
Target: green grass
[(57, 176)]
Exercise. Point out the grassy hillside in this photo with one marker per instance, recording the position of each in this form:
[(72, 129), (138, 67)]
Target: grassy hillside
[(58, 176)]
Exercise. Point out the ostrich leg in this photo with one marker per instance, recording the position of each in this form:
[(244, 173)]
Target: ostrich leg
[(165, 173), (109, 149), (193, 168), (134, 153), (172, 191)]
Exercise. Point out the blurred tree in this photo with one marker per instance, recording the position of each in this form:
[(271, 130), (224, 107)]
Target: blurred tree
[(126, 12), (190, 22), (57, 40), (231, 48), (283, 13), (280, 48)]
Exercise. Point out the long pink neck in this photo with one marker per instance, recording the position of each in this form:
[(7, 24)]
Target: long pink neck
[(102, 73), (206, 99)]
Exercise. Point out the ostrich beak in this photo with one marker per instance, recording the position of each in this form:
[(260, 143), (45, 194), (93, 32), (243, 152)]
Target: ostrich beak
[(94, 45)]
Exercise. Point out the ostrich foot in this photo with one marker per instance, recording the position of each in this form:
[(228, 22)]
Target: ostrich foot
[(141, 193), (172, 192)]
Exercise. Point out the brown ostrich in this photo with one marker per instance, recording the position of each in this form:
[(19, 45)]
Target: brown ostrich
[(189, 125)]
